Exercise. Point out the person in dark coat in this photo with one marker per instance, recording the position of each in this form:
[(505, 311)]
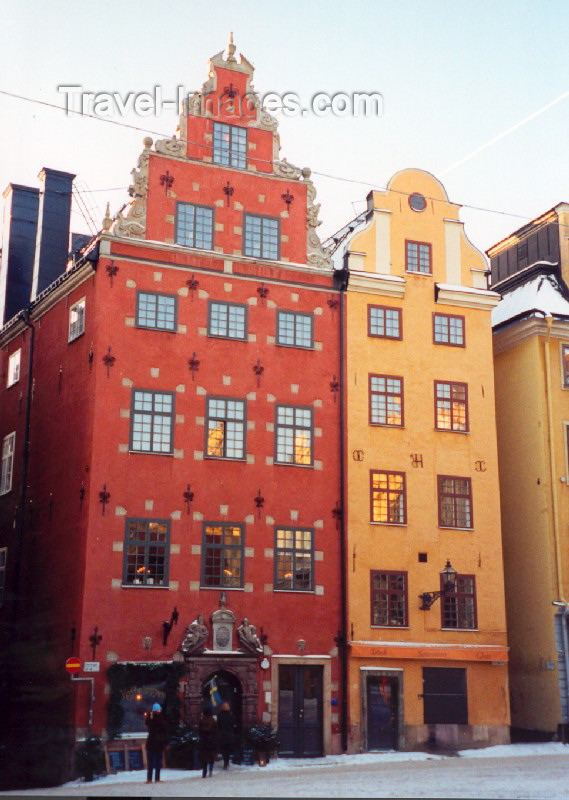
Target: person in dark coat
[(156, 741), (208, 741), (226, 728)]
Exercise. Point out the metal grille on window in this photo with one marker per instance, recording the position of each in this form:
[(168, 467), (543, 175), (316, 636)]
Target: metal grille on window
[(459, 608), (294, 435), (450, 399), (418, 257), (384, 322), (195, 226), (261, 237), (225, 428), (388, 497), (229, 145), (156, 311), (146, 557), (386, 401), (223, 556), (152, 422), (228, 320), (455, 503), (293, 557), (389, 592), (294, 329)]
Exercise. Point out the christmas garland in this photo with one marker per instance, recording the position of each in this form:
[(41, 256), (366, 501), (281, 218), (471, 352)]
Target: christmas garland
[(125, 676)]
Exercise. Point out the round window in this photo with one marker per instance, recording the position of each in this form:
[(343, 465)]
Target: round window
[(417, 202)]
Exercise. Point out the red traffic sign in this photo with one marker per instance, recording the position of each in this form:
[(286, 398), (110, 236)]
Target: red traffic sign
[(72, 665)]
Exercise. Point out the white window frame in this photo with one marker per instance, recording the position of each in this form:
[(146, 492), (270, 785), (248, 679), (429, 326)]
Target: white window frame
[(77, 322), (14, 367), (6, 473)]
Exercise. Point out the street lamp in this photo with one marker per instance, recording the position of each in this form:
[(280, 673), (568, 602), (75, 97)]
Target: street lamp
[(449, 586)]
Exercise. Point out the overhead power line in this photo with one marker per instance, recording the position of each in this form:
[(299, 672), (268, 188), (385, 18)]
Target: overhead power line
[(207, 146)]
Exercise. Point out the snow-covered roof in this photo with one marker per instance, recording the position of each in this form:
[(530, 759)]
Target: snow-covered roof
[(541, 295)]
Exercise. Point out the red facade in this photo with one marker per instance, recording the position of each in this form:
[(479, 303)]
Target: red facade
[(189, 435)]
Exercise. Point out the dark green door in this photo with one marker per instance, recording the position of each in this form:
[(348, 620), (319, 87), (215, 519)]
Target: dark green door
[(300, 711)]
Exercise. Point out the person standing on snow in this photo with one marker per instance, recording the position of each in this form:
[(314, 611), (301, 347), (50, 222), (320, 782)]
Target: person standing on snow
[(156, 741)]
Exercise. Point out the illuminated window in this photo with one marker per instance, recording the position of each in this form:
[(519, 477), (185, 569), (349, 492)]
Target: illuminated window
[(146, 552), (261, 236), (76, 319), (385, 322), (225, 429), (388, 499), (294, 435), (222, 555), (455, 502), (386, 400), (229, 145), (295, 329), (152, 421), (458, 608), (194, 226), (448, 329), (451, 406), (14, 368), (8, 445), (227, 320), (294, 556), (156, 311), (418, 257), (389, 598)]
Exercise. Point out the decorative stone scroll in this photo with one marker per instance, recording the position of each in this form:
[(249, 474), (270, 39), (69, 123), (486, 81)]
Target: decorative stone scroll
[(133, 225), (195, 637)]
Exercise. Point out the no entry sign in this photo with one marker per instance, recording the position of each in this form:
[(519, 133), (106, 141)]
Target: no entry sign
[(72, 665)]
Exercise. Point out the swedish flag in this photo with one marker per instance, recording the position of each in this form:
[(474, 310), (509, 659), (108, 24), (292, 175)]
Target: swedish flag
[(214, 696)]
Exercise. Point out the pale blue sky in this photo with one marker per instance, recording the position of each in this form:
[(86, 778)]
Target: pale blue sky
[(453, 75)]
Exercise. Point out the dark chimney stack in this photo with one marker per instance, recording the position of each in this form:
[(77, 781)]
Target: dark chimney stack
[(54, 216), (18, 249)]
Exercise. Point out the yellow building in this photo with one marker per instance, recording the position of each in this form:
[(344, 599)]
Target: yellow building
[(426, 617), (531, 356)]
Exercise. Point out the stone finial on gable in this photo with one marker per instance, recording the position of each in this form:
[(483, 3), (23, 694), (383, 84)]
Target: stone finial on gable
[(230, 50)]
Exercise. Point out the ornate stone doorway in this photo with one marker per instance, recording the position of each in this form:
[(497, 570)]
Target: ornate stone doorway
[(229, 689)]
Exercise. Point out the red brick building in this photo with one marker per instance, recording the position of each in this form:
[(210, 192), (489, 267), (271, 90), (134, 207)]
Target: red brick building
[(171, 447)]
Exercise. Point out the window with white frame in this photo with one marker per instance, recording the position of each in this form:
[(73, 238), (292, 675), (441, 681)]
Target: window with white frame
[(146, 552), (14, 367), (194, 226), (294, 556), (295, 329), (261, 236), (229, 145), (8, 446), (152, 421), (3, 557), (77, 319), (225, 428), (156, 311), (294, 435)]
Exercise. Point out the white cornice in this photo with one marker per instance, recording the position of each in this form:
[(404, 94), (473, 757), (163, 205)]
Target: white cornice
[(107, 240), (520, 331), (467, 297), (373, 283)]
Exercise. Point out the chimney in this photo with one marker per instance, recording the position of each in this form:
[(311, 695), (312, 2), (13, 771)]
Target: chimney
[(52, 242), (18, 247)]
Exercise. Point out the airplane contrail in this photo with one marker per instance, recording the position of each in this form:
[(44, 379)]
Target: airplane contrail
[(505, 133)]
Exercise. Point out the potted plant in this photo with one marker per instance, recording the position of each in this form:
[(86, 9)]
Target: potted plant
[(263, 739), (182, 752), (90, 759)]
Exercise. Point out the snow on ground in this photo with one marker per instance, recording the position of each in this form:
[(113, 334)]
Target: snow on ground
[(520, 771)]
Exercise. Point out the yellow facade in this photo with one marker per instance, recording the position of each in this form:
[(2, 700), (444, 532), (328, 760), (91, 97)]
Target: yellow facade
[(533, 418), (391, 658)]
